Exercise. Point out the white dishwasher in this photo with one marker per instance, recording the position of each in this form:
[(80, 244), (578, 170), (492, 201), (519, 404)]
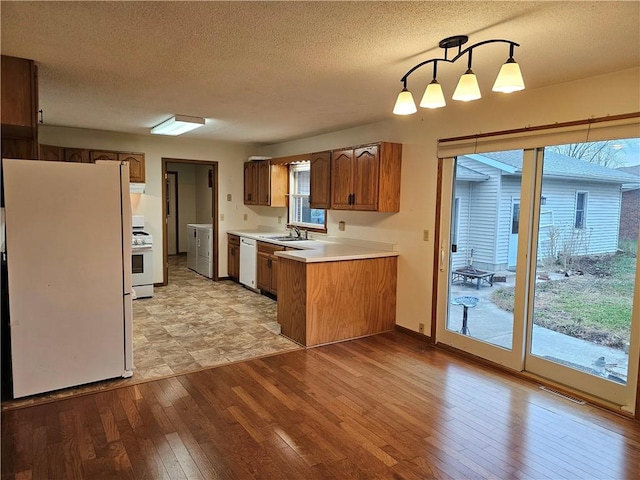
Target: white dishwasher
[(248, 262)]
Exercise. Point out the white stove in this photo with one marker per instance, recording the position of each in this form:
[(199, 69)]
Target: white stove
[(141, 259)]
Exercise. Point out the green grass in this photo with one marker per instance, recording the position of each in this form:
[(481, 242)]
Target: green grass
[(595, 307)]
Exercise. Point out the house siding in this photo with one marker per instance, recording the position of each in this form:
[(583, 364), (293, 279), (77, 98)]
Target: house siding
[(600, 234), (483, 211), (461, 257)]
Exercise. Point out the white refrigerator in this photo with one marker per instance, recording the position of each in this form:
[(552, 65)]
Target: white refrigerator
[(68, 247)]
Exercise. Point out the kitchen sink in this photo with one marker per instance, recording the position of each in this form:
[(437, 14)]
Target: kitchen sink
[(287, 238)]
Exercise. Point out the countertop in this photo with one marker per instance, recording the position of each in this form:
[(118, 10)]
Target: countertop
[(329, 250)]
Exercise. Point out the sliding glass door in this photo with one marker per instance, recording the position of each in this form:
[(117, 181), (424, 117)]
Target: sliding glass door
[(538, 266)]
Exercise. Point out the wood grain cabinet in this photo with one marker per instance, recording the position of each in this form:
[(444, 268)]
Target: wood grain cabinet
[(265, 184), (366, 177), (19, 92), (320, 180), (268, 267), (135, 160), (136, 166), (325, 302), (233, 257), (51, 153), (78, 155)]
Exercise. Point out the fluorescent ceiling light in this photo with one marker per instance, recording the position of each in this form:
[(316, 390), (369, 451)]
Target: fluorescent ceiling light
[(177, 125)]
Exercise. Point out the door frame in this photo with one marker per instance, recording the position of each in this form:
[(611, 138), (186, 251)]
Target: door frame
[(214, 213), (177, 210), (522, 362)]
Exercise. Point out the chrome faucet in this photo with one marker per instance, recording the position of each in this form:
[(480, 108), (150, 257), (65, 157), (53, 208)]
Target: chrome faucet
[(297, 230)]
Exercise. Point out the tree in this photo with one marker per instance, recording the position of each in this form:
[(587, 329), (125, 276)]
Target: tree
[(602, 153)]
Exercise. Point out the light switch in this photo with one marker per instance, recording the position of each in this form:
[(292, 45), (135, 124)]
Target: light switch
[(341, 226), (425, 235), (246, 217)]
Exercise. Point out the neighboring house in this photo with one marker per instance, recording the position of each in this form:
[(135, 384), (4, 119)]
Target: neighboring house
[(630, 209), (579, 213)]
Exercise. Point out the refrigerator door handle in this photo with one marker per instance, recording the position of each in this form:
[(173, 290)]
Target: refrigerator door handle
[(128, 335)]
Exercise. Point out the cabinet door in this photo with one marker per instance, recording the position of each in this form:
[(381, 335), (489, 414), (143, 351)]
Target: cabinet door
[(251, 183), (51, 153), (264, 183), (19, 148), (233, 262), (136, 166), (102, 155), (19, 97), (274, 275), (264, 271), (341, 179), (366, 164), (320, 180), (78, 155)]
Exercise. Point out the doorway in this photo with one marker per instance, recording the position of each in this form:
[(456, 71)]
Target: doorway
[(550, 288), (190, 193)]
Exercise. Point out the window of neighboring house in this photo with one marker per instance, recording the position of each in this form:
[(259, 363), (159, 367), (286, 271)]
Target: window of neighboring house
[(300, 213), (581, 209)]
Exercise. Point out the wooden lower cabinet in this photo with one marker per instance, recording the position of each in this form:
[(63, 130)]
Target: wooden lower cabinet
[(233, 250), (325, 302), (268, 267)]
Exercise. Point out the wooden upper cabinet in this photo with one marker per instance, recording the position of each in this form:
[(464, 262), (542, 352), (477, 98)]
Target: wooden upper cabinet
[(51, 153), (367, 177), (19, 97), (341, 179), (251, 183), (265, 184), (19, 105), (77, 155), (136, 166), (96, 155), (320, 180), (135, 161)]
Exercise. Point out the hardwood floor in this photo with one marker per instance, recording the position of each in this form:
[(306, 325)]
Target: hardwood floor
[(386, 406)]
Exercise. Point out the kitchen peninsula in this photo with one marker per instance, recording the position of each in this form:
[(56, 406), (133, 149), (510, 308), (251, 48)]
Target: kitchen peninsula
[(329, 291)]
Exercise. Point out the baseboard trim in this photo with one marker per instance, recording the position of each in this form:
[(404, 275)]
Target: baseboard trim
[(414, 334)]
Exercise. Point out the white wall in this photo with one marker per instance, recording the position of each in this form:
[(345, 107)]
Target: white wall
[(611, 94), (230, 158)]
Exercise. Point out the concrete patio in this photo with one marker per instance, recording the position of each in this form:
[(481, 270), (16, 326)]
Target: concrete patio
[(488, 323)]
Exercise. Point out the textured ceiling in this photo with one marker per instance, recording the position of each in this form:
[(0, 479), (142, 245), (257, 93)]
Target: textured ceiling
[(272, 71)]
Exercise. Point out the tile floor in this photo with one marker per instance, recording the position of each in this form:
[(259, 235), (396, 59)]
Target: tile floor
[(191, 324)]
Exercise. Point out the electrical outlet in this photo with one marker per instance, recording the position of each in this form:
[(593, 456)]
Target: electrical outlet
[(228, 197), (341, 226), (279, 220), (425, 235), (421, 328), (246, 217), (222, 217)]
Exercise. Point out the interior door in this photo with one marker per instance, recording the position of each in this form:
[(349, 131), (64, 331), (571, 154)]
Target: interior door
[(172, 213)]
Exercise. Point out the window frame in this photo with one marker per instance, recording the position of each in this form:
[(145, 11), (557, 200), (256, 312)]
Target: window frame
[(311, 227), (583, 210)]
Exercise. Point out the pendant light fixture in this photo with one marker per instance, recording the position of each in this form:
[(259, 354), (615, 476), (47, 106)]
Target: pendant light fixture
[(509, 78)]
